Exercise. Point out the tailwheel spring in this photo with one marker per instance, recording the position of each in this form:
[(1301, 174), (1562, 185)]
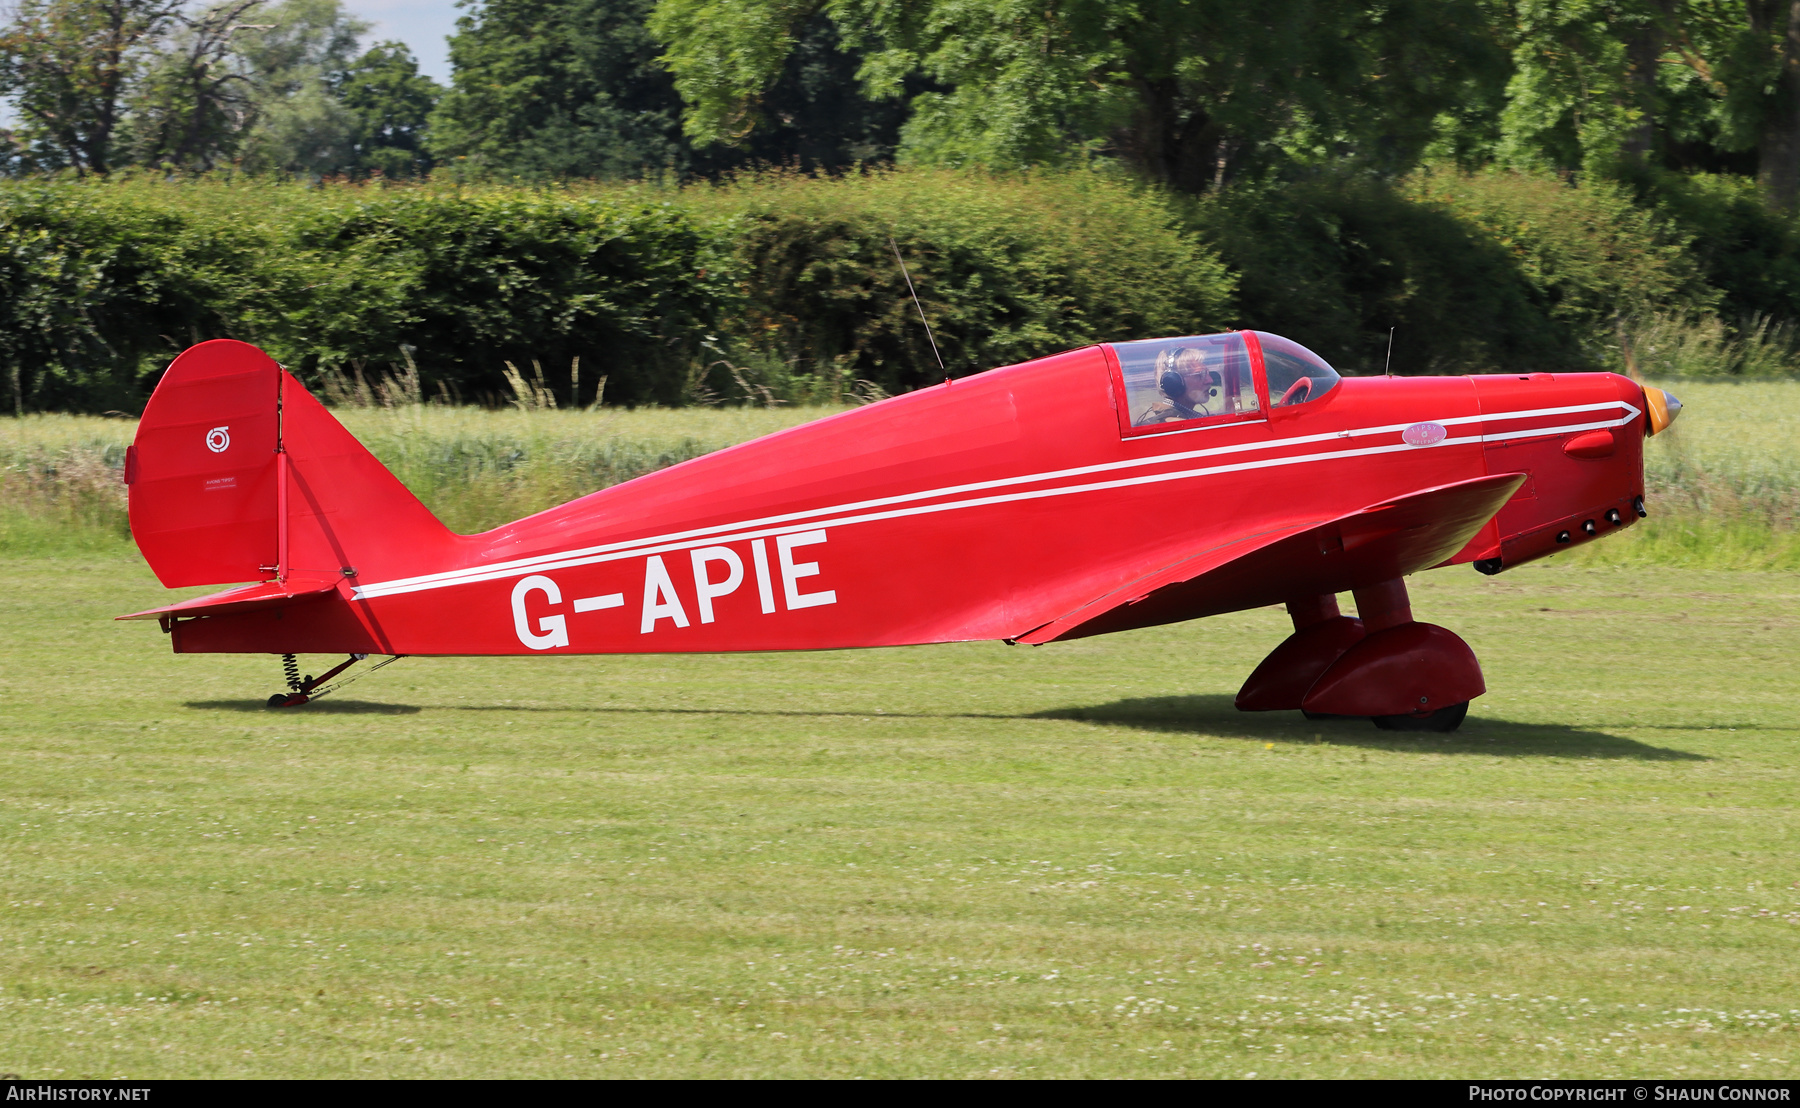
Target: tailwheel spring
[(298, 686), (304, 690)]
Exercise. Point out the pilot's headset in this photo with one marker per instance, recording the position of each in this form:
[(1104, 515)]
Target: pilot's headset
[(1190, 364), (1168, 379)]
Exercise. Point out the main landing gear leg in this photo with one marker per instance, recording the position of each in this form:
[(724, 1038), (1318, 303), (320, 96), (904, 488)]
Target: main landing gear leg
[(1321, 635), (1385, 666)]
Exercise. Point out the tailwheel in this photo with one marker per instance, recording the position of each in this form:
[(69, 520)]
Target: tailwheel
[(1443, 721), (304, 690)]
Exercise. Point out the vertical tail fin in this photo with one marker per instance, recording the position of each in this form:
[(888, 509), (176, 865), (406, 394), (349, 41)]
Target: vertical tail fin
[(238, 474)]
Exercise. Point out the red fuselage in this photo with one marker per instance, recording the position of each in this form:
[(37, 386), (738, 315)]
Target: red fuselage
[(984, 508)]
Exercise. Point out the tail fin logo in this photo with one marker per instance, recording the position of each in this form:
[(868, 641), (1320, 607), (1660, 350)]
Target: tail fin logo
[(218, 439)]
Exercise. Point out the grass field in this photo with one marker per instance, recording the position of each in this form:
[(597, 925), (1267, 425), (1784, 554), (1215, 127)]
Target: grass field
[(959, 861)]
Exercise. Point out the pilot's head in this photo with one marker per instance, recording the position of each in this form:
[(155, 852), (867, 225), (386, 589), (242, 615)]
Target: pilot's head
[(1183, 377)]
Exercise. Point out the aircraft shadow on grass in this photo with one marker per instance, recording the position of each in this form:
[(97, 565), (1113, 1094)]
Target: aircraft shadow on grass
[(1216, 715), (318, 707), (1211, 715)]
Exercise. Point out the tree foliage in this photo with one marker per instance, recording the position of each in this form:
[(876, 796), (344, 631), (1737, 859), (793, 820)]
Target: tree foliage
[(558, 88), (390, 103), (561, 88), (1613, 86), (248, 83), (1189, 92), (193, 99), (1505, 182), (67, 66)]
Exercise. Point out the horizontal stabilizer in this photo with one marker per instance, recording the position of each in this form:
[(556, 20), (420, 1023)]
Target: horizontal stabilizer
[(245, 598), (1377, 543)]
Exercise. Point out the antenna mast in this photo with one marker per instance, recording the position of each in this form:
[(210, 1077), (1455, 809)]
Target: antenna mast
[(915, 299), (281, 480), (1389, 370)]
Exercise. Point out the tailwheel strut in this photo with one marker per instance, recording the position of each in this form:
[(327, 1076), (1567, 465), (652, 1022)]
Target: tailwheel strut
[(304, 690)]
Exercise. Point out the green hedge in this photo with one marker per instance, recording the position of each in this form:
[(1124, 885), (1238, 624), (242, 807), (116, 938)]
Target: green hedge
[(781, 285), (104, 283), (780, 282), (1006, 269), (1747, 252), (93, 293), (468, 283), (1473, 272)]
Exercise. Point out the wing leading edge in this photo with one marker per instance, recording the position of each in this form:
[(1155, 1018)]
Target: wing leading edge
[(1381, 542)]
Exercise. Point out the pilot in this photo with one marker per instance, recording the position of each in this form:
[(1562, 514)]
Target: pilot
[(1185, 385)]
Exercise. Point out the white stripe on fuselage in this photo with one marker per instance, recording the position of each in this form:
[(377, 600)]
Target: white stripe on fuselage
[(809, 519)]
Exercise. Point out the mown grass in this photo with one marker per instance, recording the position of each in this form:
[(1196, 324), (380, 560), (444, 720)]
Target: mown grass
[(958, 861), (1723, 484), (951, 861)]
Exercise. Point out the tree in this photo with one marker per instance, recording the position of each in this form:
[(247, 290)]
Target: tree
[(1617, 86), (391, 102), (68, 65), (816, 115), (1189, 92), (558, 88), (578, 88), (296, 65), (193, 98), (1776, 23)]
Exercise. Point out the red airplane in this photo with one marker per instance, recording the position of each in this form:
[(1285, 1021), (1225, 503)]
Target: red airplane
[(1118, 486)]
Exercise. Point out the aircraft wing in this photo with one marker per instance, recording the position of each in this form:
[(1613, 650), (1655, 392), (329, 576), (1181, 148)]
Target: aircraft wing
[(1377, 543)]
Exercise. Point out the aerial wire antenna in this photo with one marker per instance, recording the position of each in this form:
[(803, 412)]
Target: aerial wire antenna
[(915, 299), (1390, 358)]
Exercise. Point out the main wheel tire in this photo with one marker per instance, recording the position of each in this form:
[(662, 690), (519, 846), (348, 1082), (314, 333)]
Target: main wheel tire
[(1322, 715), (1443, 721)]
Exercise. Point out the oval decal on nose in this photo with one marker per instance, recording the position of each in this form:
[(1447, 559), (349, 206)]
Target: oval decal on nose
[(1423, 434)]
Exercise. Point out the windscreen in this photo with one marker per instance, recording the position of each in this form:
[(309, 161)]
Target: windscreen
[(1176, 380), (1295, 373)]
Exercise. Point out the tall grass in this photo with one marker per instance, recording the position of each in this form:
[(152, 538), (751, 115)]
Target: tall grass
[(1723, 483), (61, 475), (478, 469), (60, 482), (1678, 346)]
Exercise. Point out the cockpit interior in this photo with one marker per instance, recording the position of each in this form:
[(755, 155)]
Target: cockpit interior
[(1214, 377)]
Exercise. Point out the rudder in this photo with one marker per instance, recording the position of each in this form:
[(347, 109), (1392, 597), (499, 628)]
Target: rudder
[(238, 474)]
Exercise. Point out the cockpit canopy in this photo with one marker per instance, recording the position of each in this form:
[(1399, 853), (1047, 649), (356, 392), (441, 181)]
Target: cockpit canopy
[(1296, 375), (1203, 377)]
